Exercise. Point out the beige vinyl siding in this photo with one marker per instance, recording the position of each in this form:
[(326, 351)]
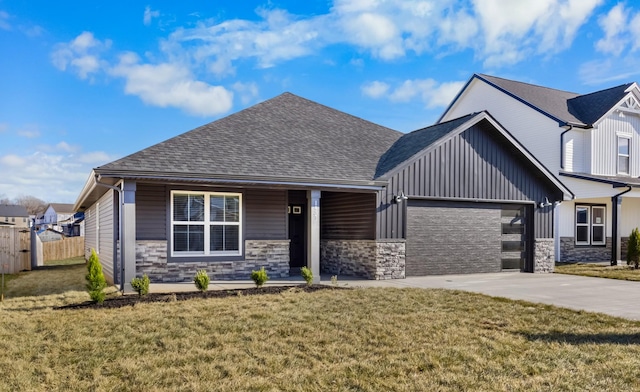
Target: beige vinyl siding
[(537, 132)]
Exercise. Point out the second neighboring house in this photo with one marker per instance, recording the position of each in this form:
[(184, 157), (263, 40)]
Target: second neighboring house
[(591, 141), (13, 215), (55, 216), (289, 183)]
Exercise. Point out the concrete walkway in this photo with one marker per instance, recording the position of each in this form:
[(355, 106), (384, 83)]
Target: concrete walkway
[(613, 297)]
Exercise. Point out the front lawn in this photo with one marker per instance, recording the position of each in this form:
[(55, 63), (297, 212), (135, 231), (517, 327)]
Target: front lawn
[(622, 272), (329, 340)]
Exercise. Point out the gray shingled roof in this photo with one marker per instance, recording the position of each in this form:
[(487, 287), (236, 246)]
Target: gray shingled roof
[(12, 210), (284, 137), (62, 208), (563, 106), (416, 141)]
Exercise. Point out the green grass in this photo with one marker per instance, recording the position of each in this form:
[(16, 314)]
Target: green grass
[(599, 271), (332, 340)]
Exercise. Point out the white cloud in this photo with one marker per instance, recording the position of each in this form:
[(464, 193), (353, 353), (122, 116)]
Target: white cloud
[(149, 15), (173, 85), (375, 89), (81, 55), (4, 21), (31, 132), (609, 70), (614, 25), (53, 177), (248, 91), (429, 91), (66, 147)]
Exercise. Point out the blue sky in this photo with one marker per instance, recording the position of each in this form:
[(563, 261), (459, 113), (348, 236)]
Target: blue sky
[(83, 83)]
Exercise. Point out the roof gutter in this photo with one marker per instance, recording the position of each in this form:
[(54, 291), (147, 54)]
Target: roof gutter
[(121, 200)]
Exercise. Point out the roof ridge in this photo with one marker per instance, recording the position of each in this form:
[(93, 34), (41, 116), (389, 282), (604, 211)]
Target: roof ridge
[(528, 84)]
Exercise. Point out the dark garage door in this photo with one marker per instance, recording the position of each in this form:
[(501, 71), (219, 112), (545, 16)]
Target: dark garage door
[(457, 237)]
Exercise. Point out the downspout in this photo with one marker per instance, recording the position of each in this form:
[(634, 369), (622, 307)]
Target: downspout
[(120, 197), (562, 144), (615, 234)]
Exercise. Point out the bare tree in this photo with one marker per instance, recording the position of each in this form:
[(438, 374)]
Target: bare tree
[(31, 203), (4, 199)]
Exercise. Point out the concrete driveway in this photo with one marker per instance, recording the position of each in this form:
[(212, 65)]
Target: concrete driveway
[(610, 296)]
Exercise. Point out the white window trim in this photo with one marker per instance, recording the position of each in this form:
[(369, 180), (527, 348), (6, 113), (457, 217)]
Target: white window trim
[(628, 156), (590, 224), (207, 225)]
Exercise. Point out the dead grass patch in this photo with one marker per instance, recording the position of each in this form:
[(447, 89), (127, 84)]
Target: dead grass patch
[(343, 340), (599, 271)]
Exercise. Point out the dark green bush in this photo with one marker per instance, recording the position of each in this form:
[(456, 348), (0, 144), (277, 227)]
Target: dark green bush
[(141, 285), (259, 277), (201, 280), (307, 275), (96, 283), (633, 249)]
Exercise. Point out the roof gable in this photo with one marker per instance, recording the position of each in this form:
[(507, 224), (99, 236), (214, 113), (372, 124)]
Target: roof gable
[(61, 208), (425, 140), (562, 106), (284, 137)]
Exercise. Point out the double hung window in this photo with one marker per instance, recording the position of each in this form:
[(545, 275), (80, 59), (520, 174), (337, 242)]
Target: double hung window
[(590, 225), (206, 223), (623, 155)]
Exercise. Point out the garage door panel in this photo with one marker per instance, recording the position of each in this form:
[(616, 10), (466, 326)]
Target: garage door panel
[(452, 238)]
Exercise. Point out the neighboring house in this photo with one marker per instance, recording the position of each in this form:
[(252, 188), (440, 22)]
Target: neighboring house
[(590, 141), (290, 183), (55, 216), (13, 215), (73, 226)]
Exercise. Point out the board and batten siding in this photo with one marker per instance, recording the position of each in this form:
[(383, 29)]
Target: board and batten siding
[(265, 212), (534, 130), (476, 164), (604, 142), (347, 216)]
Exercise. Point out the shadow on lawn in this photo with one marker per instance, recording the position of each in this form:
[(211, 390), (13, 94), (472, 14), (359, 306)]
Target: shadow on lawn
[(588, 338)]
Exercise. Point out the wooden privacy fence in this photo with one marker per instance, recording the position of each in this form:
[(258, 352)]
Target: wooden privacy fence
[(15, 247), (63, 249)]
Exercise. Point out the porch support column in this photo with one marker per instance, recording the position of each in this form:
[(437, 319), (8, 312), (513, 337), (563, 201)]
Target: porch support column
[(616, 226), (128, 227), (313, 219)]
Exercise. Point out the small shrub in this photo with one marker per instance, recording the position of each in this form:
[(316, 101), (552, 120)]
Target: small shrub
[(633, 249), (334, 280), (201, 280), (96, 283), (141, 285), (259, 277), (307, 275)]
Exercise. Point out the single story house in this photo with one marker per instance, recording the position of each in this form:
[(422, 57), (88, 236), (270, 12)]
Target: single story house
[(290, 183)]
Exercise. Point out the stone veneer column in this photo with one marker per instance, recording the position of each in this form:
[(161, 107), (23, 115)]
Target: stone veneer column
[(544, 255)]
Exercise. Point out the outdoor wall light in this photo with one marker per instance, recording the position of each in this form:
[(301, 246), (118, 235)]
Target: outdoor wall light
[(400, 198), (545, 203)]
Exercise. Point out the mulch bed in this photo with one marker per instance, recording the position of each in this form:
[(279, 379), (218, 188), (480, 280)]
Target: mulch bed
[(133, 299)]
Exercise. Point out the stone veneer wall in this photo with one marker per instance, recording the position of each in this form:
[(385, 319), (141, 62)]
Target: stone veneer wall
[(384, 259), (569, 252), (273, 255), (544, 255)]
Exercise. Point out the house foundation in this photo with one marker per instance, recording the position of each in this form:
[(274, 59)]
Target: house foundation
[(273, 255), (370, 259)]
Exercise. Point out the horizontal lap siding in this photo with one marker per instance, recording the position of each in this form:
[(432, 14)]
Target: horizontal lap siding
[(477, 164), (347, 216), (265, 214), (151, 212), (90, 240), (106, 233)]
